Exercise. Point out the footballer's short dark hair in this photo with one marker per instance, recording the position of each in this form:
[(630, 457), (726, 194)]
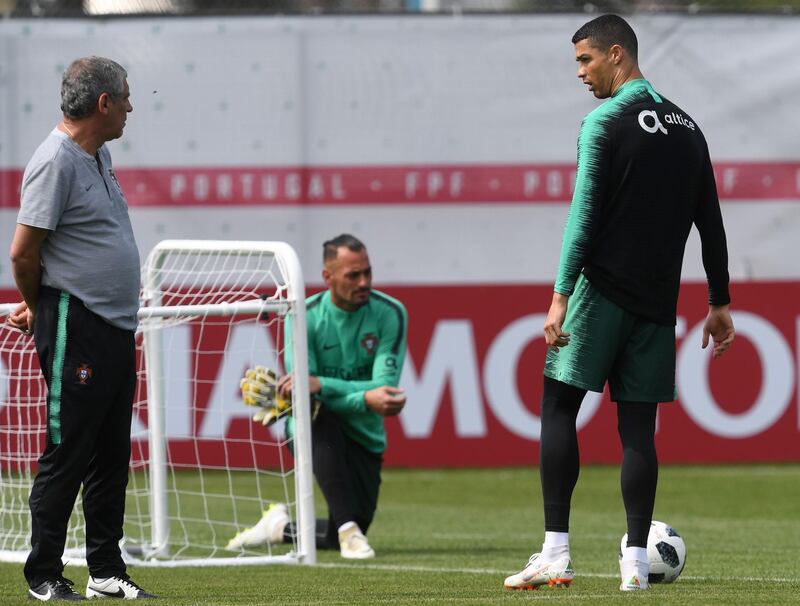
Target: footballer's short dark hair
[(607, 30), (330, 249)]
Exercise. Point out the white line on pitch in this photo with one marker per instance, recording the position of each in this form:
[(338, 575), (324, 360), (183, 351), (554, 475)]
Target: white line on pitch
[(493, 571)]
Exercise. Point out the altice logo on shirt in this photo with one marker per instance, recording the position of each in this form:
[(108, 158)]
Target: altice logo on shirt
[(649, 121), (653, 127)]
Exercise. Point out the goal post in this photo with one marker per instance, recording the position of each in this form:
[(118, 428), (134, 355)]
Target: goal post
[(201, 470)]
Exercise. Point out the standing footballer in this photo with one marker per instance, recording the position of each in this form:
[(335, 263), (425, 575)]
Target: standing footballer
[(76, 264), (644, 177)]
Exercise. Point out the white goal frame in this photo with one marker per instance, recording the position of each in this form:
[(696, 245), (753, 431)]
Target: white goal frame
[(153, 310)]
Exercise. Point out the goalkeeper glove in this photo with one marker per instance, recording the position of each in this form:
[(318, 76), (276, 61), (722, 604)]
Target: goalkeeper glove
[(260, 389)]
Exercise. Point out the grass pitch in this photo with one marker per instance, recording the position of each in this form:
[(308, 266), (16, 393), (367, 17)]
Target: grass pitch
[(450, 537)]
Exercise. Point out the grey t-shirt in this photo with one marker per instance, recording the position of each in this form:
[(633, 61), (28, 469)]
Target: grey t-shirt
[(91, 252)]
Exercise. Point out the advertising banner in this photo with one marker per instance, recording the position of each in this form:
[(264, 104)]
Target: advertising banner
[(448, 145), (473, 378)]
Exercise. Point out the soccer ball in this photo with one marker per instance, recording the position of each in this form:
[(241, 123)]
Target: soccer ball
[(665, 550)]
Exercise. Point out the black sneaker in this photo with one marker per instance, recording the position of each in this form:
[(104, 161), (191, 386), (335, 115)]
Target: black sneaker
[(119, 586), (54, 589)]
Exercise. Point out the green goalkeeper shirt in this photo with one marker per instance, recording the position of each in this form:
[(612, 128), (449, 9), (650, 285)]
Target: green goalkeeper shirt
[(351, 353)]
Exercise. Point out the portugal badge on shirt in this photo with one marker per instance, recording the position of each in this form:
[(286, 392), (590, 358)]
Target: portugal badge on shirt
[(369, 342), (113, 177), (83, 373)]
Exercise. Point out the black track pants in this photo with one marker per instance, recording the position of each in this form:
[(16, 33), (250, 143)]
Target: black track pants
[(90, 370)]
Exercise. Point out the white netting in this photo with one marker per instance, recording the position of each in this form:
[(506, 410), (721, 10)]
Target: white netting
[(209, 311)]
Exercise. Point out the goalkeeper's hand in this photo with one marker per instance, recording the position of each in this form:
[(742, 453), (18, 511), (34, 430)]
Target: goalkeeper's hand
[(259, 389)]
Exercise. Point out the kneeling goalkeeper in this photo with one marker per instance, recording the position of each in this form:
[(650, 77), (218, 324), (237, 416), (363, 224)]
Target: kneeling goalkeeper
[(356, 349)]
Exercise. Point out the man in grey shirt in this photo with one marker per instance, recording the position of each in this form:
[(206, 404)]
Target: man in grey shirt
[(76, 264)]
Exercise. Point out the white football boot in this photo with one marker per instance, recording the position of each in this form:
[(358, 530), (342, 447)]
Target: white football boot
[(538, 572), (119, 586), (634, 575), (353, 544), (268, 530)]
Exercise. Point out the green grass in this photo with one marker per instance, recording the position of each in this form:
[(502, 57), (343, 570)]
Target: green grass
[(450, 537)]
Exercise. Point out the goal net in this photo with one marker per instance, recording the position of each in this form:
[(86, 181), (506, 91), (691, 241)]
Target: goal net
[(201, 470)]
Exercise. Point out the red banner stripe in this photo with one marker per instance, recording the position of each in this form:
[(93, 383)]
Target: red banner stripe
[(411, 184)]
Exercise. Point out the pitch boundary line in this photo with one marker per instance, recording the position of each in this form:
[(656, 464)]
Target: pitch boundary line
[(494, 571)]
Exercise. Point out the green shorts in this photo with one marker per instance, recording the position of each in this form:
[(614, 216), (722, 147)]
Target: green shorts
[(607, 343)]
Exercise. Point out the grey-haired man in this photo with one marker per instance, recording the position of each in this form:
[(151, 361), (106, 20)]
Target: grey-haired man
[(76, 264)]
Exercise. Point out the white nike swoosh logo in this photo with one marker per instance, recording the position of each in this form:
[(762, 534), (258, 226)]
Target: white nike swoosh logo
[(43, 598), (533, 574)]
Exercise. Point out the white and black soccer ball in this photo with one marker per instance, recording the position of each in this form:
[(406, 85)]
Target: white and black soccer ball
[(665, 550)]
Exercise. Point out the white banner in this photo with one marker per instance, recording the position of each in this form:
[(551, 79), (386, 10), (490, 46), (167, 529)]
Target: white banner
[(446, 143)]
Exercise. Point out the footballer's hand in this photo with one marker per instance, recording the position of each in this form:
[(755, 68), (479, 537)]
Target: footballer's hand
[(286, 384), (387, 401), (719, 327), (259, 389), (21, 318), (554, 336)]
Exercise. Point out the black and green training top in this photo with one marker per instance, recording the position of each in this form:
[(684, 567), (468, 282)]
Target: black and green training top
[(644, 177), (351, 353)]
